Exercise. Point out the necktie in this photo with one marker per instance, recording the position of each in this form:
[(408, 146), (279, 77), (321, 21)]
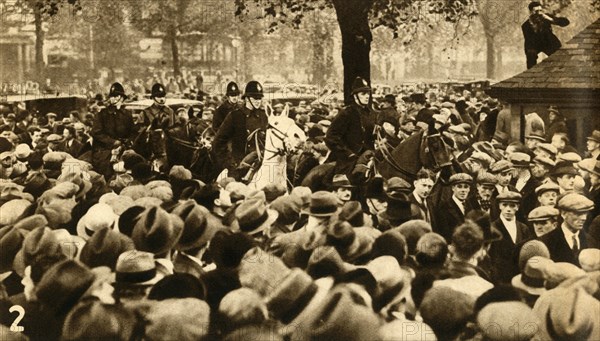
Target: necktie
[(575, 245)]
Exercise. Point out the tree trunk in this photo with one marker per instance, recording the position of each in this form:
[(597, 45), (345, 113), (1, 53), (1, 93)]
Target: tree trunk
[(39, 44), (174, 51), (499, 64), (353, 19), (490, 57)]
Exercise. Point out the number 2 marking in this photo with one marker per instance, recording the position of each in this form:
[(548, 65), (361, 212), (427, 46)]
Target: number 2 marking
[(14, 327)]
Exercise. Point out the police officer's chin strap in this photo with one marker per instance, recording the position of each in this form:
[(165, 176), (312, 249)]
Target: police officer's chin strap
[(252, 104), (360, 103)]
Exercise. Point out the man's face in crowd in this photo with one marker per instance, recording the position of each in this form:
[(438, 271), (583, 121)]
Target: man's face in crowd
[(233, 99), (558, 142), (508, 210), (548, 198), (592, 145), (224, 200), (461, 191), (362, 98), (538, 170), (67, 134), (423, 187), (344, 194), (53, 145), (376, 206), (574, 220), (485, 191), (7, 162), (543, 227), (504, 178), (552, 116), (566, 182), (474, 165), (36, 136), (408, 127)]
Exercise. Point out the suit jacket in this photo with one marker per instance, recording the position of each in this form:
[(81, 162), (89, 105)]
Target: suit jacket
[(529, 201), (502, 252), (449, 216), (430, 208), (560, 251), (74, 150)]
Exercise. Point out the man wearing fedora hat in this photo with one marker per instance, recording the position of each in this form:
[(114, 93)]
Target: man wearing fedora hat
[(323, 207), (112, 127), (237, 126), (566, 241), (593, 145), (342, 188)]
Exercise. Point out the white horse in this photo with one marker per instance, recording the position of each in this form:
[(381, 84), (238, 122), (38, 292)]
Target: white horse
[(283, 136)]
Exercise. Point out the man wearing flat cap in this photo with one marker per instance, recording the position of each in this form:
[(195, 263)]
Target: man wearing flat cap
[(543, 220), (566, 241), (481, 199), (547, 194), (452, 211), (502, 252)]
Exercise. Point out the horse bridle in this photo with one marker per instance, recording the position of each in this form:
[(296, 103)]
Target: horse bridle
[(385, 152)]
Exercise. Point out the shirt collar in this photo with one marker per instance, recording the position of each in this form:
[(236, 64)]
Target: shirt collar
[(568, 234)]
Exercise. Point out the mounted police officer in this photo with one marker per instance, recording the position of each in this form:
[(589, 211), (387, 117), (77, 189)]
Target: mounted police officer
[(230, 104), (112, 127), (159, 115), (158, 118), (238, 126), (351, 132)]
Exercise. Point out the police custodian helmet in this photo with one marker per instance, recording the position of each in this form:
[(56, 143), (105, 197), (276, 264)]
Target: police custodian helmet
[(360, 85), (254, 90), (158, 90), (116, 90), (232, 89)]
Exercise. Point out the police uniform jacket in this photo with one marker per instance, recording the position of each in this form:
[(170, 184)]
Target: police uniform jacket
[(351, 132), (111, 124), (236, 128), (164, 115), (221, 113)]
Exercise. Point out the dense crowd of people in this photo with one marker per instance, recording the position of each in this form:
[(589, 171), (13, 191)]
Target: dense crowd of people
[(97, 245)]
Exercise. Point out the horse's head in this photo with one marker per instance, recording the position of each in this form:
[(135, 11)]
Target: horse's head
[(284, 128)]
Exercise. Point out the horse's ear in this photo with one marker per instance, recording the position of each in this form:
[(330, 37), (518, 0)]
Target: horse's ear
[(286, 110), (268, 109)]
